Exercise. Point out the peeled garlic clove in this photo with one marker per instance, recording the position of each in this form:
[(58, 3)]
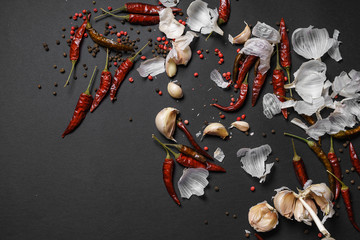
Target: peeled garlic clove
[(241, 125), (171, 68), (165, 122), (216, 129), (175, 90), (284, 202), (263, 217), (242, 37)]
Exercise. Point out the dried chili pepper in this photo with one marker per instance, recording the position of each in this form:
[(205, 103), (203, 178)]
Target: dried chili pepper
[(258, 236), (105, 82), (168, 167), (299, 167), (257, 86), (188, 151), (105, 42), (82, 107), (191, 139), (354, 158), (278, 82), (75, 48), (140, 8), (308, 119), (138, 19), (237, 63), (285, 57), (224, 11), (335, 166), (321, 156), (245, 67), (121, 73), (347, 133), (345, 193), (240, 101)]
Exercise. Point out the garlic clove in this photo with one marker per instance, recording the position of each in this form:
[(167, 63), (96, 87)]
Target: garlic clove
[(301, 214), (323, 197), (263, 217), (216, 129), (241, 125), (175, 90), (165, 122), (242, 37), (284, 202), (171, 68)]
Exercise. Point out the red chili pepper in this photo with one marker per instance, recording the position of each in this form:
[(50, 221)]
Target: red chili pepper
[(345, 192), (258, 236), (354, 158), (75, 48), (237, 63), (336, 167), (278, 83), (245, 67), (168, 167), (285, 57), (104, 87), (189, 152), (82, 107), (240, 101), (191, 139), (121, 73), (257, 86), (137, 19), (224, 11), (299, 167)]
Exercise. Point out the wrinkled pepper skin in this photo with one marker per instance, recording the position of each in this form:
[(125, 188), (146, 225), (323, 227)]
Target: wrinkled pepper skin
[(168, 167), (104, 87), (278, 87), (119, 77)]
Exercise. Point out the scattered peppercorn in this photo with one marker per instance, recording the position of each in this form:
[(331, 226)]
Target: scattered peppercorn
[(186, 122), (62, 70), (252, 188), (54, 66), (206, 148), (352, 169), (352, 181), (206, 222), (227, 213), (341, 150), (247, 133), (273, 131), (57, 42), (234, 216), (160, 93), (247, 235), (216, 188), (264, 134), (54, 93), (306, 231), (39, 86), (347, 171), (64, 54), (277, 159), (55, 84)]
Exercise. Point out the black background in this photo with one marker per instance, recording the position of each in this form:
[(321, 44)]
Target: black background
[(104, 181)]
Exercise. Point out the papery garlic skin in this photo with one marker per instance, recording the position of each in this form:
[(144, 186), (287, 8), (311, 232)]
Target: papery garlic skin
[(216, 129), (153, 67), (284, 202), (192, 182), (242, 37), (263, 217), (264, 31), (165, 122), (169, 25), (323, 197), (175, 90), (216, 77), (300, 212)]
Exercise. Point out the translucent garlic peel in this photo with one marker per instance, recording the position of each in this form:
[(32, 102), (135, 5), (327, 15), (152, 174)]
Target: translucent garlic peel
[(169, 25), (264, 31), (242, 37), (271, 105), (216, 77), (192, 182), (253, 161), (152, 67), (169, 3), (165, 122), (334, 51), (219, 154)]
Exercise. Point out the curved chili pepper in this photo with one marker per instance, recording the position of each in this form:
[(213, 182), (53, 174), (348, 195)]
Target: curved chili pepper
[(105, 42), (168, 167), (121, 72), (299, 167), (354, 158), (347, 133), (240, 101), (345, 192), (336, 167), (82, 107), (141, 8), (258, 236), (278, 83), (191, 139), (321, 156), (285, 58), (75, 48), (138, 19), (224, 11), (105, 82), (189, 152), (237, 62), (257, 86), (245, 67)]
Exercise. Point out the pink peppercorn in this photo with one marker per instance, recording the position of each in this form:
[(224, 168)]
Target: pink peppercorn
[(160, 93), (163, 38), (95, 10), (85, 35), (224, 74), (115, 63), (319, 235), (236, 86), (122, 33), (76, 14), (196, 74), (201, 56), (131, 80), (143, 57), (231, 104), (109, 8), (150, 77), (238, 50), (228, 74), (72, 28), (158, 39), (84, 11), (238, 119), (206, 148), (84, 18), (80, 14), (125, 33), (198, 52), (186, 122), (220, 55), (72, 32), (118, 40), (180, 21), (285, 78), (166, 42), (219, 62), (109, 27), (75, 18), (233, 99), (183, 23), (118, 34), (216, 50), (252, 188), (222, 116), (243, 116), (165, 47)]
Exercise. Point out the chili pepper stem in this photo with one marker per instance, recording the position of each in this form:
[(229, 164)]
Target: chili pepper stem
[(107, 60), (208, 36), (295, 154), (133, 57), (343, 185), (126, 17), (316, 219), (331, 145), (277, 57), (87, 92), (176, 155), (246, 79), (72, 69), (121, 9), (294, 136), (287, 69)]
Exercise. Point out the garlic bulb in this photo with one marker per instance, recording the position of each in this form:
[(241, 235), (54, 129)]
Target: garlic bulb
[(175, 90), (216, 129), (242, 37), (241, 125), (263, 217), (284, 202), (165, 122)]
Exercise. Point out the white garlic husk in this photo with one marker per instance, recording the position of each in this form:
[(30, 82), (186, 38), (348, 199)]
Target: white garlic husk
[(284, 202), (175, 90), (242, 37), (241, 125), (216, 129), (263, 217), (165, 122)]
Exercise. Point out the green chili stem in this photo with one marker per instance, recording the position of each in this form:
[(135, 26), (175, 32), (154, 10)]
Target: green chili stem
[(294, 136), (72, 69), (246, 79), (295, 154), (107, 60), (176, 155), (343, 185), (287, 69), (123, 8), (133, 57), (331, 145), (87, 92), (126, 17), (208, 36), (277, 57)]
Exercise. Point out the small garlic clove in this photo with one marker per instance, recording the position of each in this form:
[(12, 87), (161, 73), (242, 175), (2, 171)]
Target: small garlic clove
[(171, 68), (242, 37), (263, 217), (323, 197), (284, 202), (175, 90), (300, 212), (165, 122), (241, 125), (216, 129)]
